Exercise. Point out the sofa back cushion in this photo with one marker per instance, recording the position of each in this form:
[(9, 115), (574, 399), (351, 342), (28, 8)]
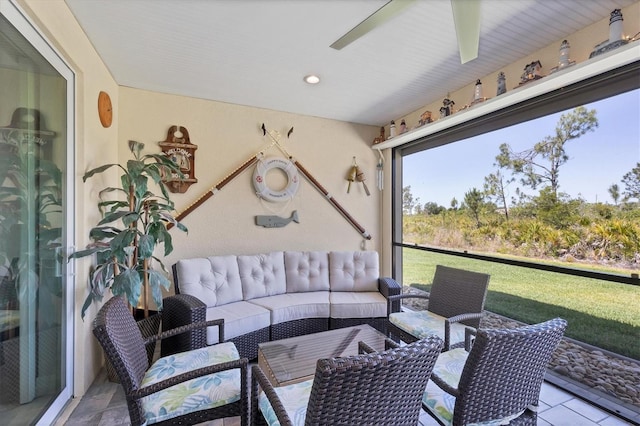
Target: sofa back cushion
[(353, 270), (306, 271), (214, 280), (262, 275)]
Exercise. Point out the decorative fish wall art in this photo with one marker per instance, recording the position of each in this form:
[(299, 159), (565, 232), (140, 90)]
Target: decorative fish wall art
[(270, 221)]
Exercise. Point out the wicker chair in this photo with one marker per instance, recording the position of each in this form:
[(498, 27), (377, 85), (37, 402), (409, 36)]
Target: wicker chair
[(498, 381), (378, 388), (456, 300), (184, 381)]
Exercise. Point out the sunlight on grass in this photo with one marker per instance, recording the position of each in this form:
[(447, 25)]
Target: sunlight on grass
[(601, 313)]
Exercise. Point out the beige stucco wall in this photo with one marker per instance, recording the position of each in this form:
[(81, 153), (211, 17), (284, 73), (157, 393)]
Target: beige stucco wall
[(227, 136)]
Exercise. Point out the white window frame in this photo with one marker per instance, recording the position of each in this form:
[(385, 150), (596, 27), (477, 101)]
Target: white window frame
[(19, 19)]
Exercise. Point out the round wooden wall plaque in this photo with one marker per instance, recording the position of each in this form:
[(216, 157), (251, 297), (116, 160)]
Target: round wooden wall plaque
[(105, 110)]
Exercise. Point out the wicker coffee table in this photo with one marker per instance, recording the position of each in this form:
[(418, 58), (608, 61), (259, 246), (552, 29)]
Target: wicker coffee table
[(294, 360)]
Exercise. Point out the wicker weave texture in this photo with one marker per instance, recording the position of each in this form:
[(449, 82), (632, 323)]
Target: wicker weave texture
[(504, 372), (178, 311), (183, 309), (380, 388), (399, 335), (379, 324), (299, 327), (456, 294), (247, 344), (456, 291), (123, 345)]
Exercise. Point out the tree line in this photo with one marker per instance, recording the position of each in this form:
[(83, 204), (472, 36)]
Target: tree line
[(537, 171)]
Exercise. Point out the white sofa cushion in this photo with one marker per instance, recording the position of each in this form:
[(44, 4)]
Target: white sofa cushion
[(294, 306), (239, 318), (353, 270), (361, 304), (306, 271), (214, 280), (262, 274)]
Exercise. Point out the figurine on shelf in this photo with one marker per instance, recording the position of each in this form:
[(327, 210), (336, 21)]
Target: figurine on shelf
[(392, 129), (447, 107), (532, 71), (403, 127), (425, 118), (380, 138), (477, 94), (615, 35), (563, 61), (502, 84)]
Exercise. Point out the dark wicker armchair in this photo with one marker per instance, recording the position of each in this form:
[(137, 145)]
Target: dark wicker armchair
[(185, 388), (379, 388), (499, 380), (456, 300)]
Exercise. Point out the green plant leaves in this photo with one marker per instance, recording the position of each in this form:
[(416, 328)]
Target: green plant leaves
[(131, 229), (157, 280), (113, 217), (135, 148), (97, 170), (146, 244), (135, 168), (128, 284)]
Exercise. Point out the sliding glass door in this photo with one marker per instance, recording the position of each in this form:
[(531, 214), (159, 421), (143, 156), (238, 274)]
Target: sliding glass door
[(35, 123)]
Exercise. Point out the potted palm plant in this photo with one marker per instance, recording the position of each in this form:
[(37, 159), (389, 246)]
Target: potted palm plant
[(134, 224)]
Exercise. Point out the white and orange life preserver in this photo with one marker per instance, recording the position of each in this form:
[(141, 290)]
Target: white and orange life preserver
[(259, 179)]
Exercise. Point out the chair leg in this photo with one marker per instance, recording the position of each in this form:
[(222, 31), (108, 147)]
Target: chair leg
[(244, 397), (254, 400)]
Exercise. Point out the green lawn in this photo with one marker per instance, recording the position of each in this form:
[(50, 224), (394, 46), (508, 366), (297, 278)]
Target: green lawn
[(601, 313)]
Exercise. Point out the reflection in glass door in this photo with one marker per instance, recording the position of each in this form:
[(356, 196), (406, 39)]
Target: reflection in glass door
[(33, 231)]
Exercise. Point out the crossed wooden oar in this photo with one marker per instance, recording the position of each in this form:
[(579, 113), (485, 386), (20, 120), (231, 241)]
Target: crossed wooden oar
[(251, 161)]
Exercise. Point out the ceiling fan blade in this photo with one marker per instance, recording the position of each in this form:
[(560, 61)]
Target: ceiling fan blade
[(377, 18), (466, 16)]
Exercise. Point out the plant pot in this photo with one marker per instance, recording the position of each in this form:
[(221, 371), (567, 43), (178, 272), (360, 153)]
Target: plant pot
[(148, 327)]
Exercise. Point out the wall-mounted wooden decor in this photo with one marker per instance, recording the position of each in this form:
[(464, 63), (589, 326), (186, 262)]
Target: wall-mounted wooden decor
[(105, 109), (179, 148)]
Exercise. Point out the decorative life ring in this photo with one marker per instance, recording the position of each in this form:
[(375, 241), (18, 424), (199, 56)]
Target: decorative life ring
[(259, 179)]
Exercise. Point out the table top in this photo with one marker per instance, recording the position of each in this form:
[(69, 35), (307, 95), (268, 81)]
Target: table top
[(294, 360)]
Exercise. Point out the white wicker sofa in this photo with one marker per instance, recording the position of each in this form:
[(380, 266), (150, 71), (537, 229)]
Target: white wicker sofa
[(275, 295)]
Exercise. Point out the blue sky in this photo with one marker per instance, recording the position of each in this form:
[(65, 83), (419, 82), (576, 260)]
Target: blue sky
[(596, 160)]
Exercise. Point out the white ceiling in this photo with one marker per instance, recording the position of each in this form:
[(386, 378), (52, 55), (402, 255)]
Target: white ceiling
[(256, 52)]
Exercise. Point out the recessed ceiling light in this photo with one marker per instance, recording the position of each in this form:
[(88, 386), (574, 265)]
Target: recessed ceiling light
[(312, 79)]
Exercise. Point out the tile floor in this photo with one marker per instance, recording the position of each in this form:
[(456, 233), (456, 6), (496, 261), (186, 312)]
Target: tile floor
[(104, 405)]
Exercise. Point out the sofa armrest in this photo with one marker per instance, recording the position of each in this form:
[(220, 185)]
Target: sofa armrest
[(180, 310), (390, 287)]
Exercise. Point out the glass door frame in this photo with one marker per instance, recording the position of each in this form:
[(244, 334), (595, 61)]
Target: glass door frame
[(19, 19)]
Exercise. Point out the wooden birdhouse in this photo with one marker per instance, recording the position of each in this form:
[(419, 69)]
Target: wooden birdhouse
[(532, 71)]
